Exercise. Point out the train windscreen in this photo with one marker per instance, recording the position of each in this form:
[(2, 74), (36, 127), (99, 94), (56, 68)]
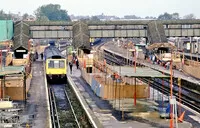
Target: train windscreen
[(56, 64)]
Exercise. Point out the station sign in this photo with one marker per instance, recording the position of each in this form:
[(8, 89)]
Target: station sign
[(20, 50)]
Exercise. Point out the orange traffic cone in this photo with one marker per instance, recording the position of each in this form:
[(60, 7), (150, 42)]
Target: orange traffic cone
[(180, 119)]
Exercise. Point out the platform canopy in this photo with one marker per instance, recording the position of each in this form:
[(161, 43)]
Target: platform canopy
[(140, 72), (8, 70), (161, 45)]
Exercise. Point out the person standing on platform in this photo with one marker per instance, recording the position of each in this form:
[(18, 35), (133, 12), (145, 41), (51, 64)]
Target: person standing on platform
[(41, 56), (70, 66), (36, 55), (77, 63)]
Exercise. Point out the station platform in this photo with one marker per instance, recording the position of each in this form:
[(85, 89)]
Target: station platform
[(176, 73), (36, 113), (111, 47), (191, 55), (101, 108), (108, 112)]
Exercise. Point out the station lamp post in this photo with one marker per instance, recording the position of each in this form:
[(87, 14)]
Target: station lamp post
[(134, 59), (173, 107)]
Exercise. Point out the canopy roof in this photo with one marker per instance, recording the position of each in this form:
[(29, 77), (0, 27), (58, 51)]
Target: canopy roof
[(140, 72), (8, 70), (161, 45)]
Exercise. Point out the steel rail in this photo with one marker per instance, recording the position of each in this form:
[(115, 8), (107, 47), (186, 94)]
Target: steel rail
[(53, 108), (72, 109)]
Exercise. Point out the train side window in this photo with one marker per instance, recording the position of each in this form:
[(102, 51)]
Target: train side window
[(51, 64), (62, 64)]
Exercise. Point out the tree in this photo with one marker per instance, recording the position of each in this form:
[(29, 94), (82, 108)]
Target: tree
[(43, 18), (165, 16), (94, 18), (4, 16), (189, 16), (175, 15), (131, 17), (25, 16), (53, 12), (150, 17)]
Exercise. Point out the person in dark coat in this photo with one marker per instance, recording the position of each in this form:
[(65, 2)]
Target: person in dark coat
[(36, 55), (77, 63), (70, 66), (41, 56)]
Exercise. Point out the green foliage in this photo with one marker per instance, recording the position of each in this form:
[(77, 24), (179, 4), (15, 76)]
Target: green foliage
[(175, 15), (167, 16), (52, 12), (132, 17), (25, 16), (95, 18), (43, 18), (4, 16)]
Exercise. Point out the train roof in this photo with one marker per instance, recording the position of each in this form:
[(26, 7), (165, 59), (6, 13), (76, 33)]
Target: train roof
[(52, 52)]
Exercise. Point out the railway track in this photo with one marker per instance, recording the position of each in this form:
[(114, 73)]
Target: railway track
[(53, 109), (75, 122), (191, 102), (62, 111), (65, 108), (190, 94), (189, 97)]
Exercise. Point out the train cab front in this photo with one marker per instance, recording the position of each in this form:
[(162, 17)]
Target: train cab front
[(55, 79), (56, 70)]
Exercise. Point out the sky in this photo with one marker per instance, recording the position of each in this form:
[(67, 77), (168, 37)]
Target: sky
[(118, 8)]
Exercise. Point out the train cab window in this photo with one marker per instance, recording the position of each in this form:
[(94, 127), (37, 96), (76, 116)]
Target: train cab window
[(51, 64), (62, 64), (56, 64)]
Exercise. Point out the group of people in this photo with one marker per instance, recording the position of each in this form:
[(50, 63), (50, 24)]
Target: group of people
[(155, 60), (74, 60)]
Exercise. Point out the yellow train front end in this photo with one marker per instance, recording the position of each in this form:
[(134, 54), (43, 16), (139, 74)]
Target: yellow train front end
[(56, 69)]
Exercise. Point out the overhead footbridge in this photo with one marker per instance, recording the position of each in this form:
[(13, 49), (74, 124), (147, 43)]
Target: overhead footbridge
[(152, 30)]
